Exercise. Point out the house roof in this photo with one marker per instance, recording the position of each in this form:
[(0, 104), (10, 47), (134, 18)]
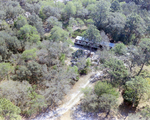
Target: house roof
[(79, 38), (101, 43)]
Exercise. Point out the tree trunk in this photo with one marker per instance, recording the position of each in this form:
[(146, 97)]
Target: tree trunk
[(107, 114), (141, 69)]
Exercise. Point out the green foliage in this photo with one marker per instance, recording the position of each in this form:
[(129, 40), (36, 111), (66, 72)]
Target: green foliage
[(72, 22), (115, 6), (120, 49), (88, 62), (8, 110), (70, 9), (28, 33), (8, 45), (22, 73), (89, 22), (93, 35), (35, 21), (58, 34), (29, 54), (36, 72), (134, 25), (107, 102), (103, 98), (117, 71), (5, 70), (115, 25), (37, 102), (20, 22), (13, 10), (78, 32), (99, 13), (62, 58), (86, 91), (53, 21), (42, 15), (104, 88), (146, 112), (31, 72), (135, 90), (80, 22)]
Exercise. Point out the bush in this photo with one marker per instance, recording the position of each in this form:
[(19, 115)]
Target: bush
[(104, 88), (78, 32), (88, 62), (29, 54), (120, 49), (8, 110), (103, 98)]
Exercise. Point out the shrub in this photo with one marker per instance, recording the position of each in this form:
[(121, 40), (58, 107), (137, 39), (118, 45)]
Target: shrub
[(104, 88), (8, 110), (77, 32)]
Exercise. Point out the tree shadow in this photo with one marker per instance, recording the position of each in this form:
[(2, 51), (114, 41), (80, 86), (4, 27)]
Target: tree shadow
[(125, 108)]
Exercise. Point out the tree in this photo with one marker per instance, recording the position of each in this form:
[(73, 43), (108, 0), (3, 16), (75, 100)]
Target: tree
[(36, 72), (81, 12), (36, 103), (57, 84), (13, 10), (135, 90), (29, 54), (34, 20), (133, 56), (115, 6), (5, 54), (72, 22), (8, 110), (107, 102), (88, 2), (48, 11), (116, 71), (70, 9), (134, 28), (120, 49), (99, 13), (32, 8), (115, 25), (128, 8), (93, 36), (20, 22), (104, 88), (58, 34), (144, 54), (28, 33), (80, 22), (5, 70), (104, 55), (53, 21), (82, 66), (138, 56), (103, 98), (12, 44)]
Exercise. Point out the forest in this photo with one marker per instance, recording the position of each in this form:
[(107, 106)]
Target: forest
[(35, 40)]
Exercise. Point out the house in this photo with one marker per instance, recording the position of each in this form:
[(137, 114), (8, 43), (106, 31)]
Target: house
[(85, 42)]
